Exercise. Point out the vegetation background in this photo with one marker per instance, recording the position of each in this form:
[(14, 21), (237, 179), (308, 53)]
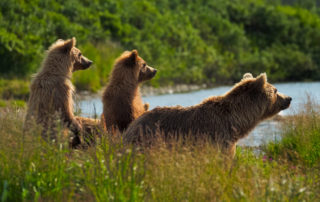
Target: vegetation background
[(190, 42)]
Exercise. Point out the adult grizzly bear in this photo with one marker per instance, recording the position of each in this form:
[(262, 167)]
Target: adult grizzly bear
[(121, 99), (51, 89), (222, 119)]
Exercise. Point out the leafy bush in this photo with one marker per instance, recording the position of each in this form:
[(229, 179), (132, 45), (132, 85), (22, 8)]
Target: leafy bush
[(14, 89), (189, 42), (103, 56)]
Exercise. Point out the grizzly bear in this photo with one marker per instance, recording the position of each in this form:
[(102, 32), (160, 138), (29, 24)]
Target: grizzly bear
[(121, 99), (51, 89), (222, 120)]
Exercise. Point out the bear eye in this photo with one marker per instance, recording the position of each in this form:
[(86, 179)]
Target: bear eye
[(79, 54), (275, 90), (144, 65)]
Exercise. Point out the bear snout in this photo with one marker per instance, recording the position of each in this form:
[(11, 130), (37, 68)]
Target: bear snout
[(89, 63), (287, 102), (154, 72), (86, 64)]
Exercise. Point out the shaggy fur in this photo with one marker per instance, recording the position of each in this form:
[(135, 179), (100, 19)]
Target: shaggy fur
[(51, 89), (92, 129), (222, 119), (121, 99)]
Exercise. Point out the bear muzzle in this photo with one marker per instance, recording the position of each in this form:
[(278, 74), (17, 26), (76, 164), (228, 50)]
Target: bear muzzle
[(286, 103), (84, 63), (87, 64), (154, 72)]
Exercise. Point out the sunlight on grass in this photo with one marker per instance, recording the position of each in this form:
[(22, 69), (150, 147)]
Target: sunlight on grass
[(300, 141), (34, 169)]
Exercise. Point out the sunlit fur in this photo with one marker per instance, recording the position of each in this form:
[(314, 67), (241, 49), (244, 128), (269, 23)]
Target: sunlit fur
[(121, 99), (51, 89), (221, 119), (92, 129)]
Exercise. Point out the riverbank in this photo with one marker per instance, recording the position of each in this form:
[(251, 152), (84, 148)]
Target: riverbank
[(18, 89), (146, 90), (286, 170)]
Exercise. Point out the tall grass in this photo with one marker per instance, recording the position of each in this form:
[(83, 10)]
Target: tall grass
[(199, 174), (33, 169), (300, 141)]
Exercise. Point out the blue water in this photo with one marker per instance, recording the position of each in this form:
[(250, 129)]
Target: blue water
[(264, 132)]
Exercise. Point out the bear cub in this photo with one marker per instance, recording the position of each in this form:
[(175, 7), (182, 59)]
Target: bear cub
[(121, 99), (51, 89)]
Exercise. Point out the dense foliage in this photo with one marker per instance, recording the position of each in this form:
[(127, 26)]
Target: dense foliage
[(188, 41)]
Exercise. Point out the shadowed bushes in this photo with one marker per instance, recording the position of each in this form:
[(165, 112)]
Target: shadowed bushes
[(194, 42)]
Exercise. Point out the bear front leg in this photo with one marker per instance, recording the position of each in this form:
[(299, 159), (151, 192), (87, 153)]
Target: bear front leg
[(73, 125), (146, 106), (229, 149), (232, 150), (76, 129)]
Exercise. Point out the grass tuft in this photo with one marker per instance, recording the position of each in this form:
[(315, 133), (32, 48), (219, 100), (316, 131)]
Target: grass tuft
[(300, 143)]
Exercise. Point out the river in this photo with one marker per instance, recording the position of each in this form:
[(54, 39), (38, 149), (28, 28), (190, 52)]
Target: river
[(263, 133)]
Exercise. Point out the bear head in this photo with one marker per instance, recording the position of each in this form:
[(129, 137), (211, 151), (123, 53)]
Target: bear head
[(67, 52), (133, 66), (262, 100)]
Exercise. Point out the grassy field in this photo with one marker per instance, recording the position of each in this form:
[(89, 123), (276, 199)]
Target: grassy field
[(34, 170)]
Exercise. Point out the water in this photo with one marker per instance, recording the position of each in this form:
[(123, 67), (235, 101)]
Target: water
[(264, 132)]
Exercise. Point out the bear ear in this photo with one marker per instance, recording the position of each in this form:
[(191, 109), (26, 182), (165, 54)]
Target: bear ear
[(247, 76), (133, 57), (69, 44), (261, 80)]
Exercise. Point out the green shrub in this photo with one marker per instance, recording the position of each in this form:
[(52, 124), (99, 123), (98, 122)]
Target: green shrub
[(14, 89), (300, 141), (193, 42)]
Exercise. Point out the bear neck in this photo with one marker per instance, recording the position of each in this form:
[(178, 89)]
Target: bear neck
[(129, 88), (58, 66), (238, 116)]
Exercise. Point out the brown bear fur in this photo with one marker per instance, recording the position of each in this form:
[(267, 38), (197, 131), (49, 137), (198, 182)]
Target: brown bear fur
[(92, 129), (121, 99), (51, 89), (221, 119)]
